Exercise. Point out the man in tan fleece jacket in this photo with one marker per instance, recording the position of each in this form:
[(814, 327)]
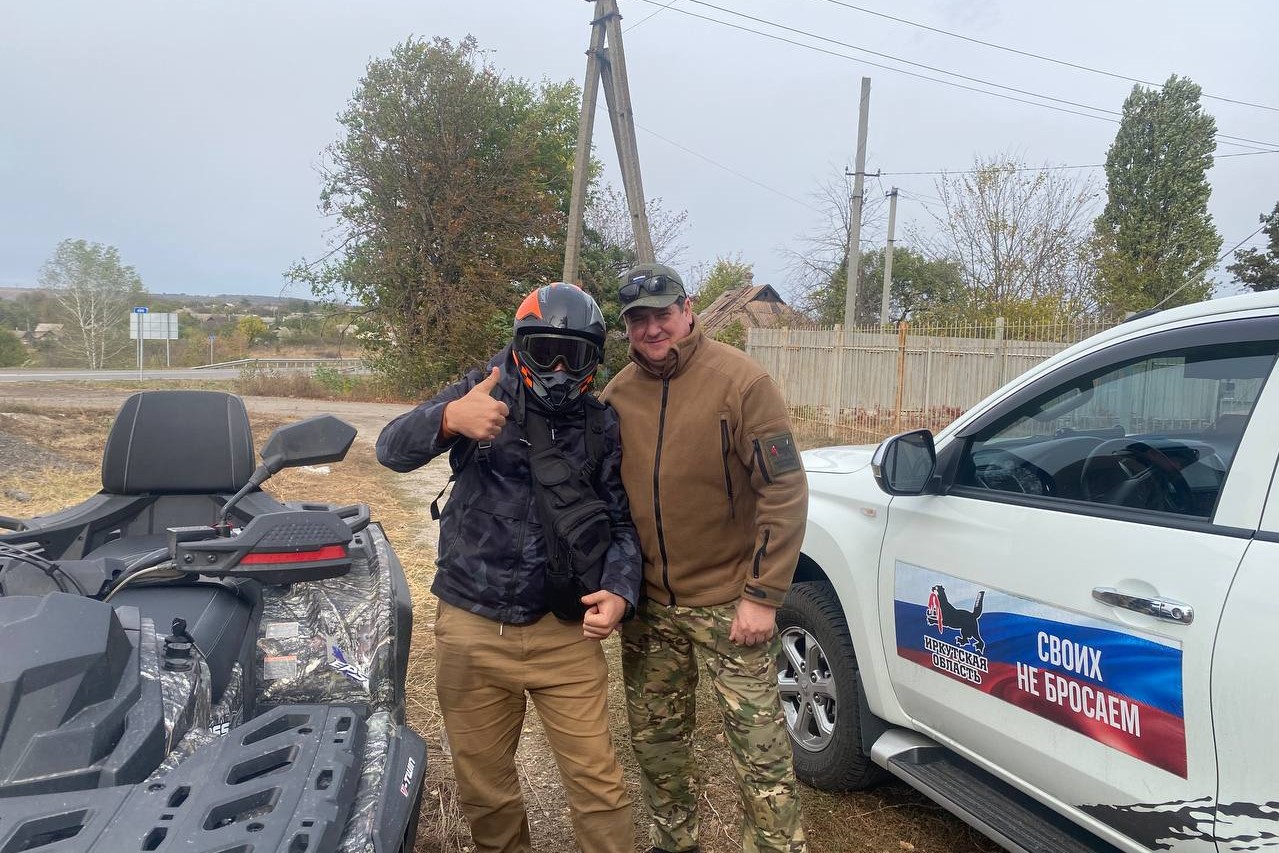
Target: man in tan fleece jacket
[(718, 495)]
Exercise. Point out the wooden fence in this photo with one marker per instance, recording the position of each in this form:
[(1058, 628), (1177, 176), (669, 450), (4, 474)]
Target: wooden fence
[(863, 384)]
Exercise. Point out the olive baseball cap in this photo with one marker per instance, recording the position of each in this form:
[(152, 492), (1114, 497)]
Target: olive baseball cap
[(649, 286)]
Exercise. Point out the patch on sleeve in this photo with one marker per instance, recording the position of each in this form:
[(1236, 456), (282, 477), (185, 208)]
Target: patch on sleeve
[(780, 454)]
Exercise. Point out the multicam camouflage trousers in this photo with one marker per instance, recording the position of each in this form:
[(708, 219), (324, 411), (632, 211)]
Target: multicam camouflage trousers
[(660, 648)]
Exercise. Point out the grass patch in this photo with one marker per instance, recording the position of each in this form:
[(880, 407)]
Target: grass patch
[(324, 383)]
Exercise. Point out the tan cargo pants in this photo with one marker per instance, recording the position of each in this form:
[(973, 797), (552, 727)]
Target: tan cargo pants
[(483, 671)]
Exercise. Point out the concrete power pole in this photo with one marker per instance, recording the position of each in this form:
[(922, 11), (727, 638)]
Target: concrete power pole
[(855, 226), (888, 258), (606, 62), (582, 156)]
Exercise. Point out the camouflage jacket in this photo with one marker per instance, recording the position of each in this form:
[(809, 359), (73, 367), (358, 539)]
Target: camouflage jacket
[(491, 558)]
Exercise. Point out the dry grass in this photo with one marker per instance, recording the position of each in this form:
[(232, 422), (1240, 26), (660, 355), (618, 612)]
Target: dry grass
[(320, 385), (889, 820)]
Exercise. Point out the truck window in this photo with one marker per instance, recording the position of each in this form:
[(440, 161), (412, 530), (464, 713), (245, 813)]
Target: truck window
[(1158, 433)]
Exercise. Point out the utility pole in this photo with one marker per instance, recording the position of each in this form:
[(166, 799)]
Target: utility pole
[(582, 156), (888, 258), (855, 226), (606, 62)]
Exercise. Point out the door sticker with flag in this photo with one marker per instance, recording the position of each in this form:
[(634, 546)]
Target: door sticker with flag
[(1111, 683)]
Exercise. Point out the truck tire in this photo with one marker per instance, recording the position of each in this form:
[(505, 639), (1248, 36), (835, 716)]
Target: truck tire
[(819, 687)]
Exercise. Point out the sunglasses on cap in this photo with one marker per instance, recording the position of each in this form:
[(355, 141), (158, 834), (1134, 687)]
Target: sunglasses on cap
[(654, 284), (544, 351)]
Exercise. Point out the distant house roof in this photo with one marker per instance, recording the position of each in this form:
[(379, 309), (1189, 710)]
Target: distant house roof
[(40, 332), (754, 306)]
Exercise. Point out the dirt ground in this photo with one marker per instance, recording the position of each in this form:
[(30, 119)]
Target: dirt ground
[(55, 433)]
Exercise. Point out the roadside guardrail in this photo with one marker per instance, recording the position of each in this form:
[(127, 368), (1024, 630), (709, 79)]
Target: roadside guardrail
[(345, 365)]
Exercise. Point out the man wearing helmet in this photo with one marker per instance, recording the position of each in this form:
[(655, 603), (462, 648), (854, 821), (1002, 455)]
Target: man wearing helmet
[(719, 499), (536, 460)]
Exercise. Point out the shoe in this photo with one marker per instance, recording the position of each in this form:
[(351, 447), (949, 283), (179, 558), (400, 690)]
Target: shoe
[(660, 850)]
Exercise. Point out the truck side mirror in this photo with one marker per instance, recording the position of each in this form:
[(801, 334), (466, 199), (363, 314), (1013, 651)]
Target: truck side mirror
[(904, 464)]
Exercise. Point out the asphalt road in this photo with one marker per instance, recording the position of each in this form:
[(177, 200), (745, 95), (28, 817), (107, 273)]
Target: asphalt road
[(74, 375)]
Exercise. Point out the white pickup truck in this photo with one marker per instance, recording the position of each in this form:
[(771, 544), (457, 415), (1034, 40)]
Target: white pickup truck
[(1059, 618)]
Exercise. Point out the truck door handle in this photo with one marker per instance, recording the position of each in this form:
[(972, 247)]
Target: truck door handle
[(1160, 608)]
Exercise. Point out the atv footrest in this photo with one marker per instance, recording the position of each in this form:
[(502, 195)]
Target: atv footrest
[(991, 806), (283, 781)]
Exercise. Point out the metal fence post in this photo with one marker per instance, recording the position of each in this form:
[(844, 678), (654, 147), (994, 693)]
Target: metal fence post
[(1001, 349), (901, 376), (928, 374), (837, 375)]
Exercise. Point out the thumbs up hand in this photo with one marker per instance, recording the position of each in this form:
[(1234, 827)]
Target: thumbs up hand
[(477, 414)]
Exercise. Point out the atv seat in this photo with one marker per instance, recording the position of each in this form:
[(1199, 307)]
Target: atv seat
[(178, 442), (188, 450)]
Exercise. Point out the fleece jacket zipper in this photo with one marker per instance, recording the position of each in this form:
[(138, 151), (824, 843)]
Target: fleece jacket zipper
[(657, 500), (759, 555), (724, 448)]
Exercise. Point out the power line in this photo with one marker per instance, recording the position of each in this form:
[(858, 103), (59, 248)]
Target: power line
[(894, 58), (647, 18), (1038, 56), (923, 198), (998, 168), (935, 69), (817, 49), (728, 169), (1229, 251), (1220, 258), (881, 174), (1053, 168), (1237, 141)]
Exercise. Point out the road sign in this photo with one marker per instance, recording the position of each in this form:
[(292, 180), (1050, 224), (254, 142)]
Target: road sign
[(141, 309), (154, 327)]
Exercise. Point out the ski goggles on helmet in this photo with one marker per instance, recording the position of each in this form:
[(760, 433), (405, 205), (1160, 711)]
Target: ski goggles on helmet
[(543, 351)]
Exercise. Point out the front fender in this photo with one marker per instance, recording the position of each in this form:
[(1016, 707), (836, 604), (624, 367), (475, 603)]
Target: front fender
[(847, 518)]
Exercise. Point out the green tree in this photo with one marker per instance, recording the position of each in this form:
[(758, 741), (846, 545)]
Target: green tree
[(1260, 270), (922, 288), (449, 186), (734, 334), (12, 352), (94, 291), (1022, 239), (724, 275), (1157, 240), (32, 308), (254, 329)]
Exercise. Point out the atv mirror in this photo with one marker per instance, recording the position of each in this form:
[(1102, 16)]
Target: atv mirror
[(904, 464), (314, 441), (323, 438)]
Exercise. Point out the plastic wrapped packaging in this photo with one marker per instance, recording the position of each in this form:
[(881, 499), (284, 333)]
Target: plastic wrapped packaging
[(331, 640), (373, 777)]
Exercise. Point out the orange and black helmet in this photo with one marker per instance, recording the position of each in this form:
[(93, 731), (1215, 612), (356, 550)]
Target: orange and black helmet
[(559, 340)]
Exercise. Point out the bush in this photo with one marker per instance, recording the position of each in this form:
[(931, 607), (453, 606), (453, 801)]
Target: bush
[(326, 383), (12, 352)]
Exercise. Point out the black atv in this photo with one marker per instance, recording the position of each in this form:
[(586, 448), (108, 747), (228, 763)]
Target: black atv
[(188, 665)]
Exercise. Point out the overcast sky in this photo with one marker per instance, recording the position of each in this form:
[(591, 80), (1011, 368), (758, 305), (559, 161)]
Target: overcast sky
[(186, 132)]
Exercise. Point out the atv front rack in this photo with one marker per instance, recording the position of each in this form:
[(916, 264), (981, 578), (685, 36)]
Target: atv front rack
[(287, 781)]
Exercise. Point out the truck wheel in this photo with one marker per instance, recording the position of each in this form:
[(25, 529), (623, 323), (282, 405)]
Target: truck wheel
[(817, 680)]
